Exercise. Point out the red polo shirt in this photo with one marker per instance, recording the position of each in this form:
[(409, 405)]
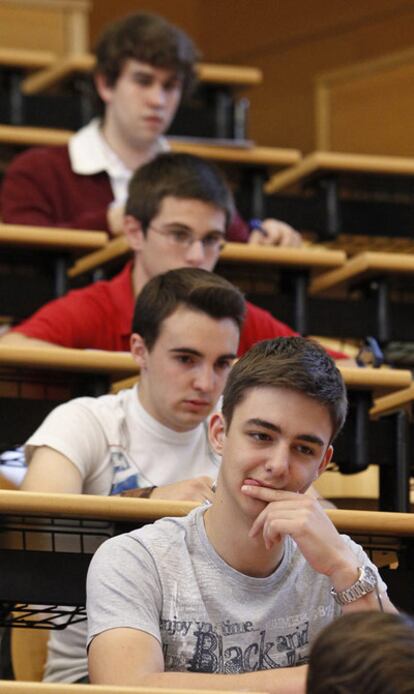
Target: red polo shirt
[(100, 317)]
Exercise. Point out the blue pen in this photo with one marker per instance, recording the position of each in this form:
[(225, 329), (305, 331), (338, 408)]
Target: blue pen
[(256, 225)]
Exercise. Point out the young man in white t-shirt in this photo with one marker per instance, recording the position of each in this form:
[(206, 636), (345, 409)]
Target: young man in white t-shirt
[(231, 597), (150, 440)]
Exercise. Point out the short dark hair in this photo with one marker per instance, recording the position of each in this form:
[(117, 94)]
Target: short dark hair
[(193, 288), (150, 39), (181, 176), (370, 652), (295, 363)]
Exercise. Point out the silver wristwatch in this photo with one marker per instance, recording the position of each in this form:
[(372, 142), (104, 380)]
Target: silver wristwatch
[(366, 583)]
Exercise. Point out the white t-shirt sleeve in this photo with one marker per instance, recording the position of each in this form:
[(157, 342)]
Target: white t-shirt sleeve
[(123, 589), (73, 430)]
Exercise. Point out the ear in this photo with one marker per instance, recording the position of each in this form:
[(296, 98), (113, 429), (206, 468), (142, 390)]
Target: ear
[(217, 432), (134, 233), (325, 461), (139, 351), (102, 87)]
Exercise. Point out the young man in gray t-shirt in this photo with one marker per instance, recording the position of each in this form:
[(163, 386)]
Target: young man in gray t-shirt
[(233, 596)]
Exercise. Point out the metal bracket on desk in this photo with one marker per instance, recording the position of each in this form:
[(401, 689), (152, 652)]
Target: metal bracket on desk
[(328, 190), (16, 99), (300, 281), (354, 456), (251, 197), (383, 311), (60, 275), (241, 112), (223, 114), (395, 479)]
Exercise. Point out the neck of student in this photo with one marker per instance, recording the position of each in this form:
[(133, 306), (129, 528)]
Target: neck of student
[(132, 155), (228, 532), (139, 276)]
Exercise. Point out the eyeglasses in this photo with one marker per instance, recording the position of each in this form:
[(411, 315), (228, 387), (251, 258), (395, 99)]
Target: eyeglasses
[(182, 238)]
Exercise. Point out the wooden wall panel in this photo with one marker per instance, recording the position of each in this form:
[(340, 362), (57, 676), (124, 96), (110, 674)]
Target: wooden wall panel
[(369, 109), (185, 13), (59, 26)]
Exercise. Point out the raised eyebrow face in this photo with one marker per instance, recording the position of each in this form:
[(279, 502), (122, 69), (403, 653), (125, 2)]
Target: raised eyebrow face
[(180, 226), (269, 426), (149, 74), (196, 353)]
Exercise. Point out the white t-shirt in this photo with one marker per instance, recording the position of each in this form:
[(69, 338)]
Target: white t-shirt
[(167, 580), (116, 445)]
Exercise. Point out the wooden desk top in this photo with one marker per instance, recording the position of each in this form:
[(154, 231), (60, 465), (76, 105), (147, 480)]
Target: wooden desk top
[(33, 136), (116, 364), (362, 266), (73, 241), (375, 379), (249, 155), (114, 249), (22, 687), (312, 257), (303, 257), (318, 163), (26, 58), (110, 508), (401, 399), (275, 157), (237, 75), (114, 508)]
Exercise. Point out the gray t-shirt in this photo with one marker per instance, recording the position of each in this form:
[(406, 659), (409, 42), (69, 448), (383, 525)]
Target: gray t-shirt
[(167, 580)]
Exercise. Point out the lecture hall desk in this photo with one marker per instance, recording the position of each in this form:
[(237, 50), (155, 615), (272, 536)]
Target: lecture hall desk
[(335, 192), (47, 541), (391, 274), (34, 262), (35, 380), (383, 442)]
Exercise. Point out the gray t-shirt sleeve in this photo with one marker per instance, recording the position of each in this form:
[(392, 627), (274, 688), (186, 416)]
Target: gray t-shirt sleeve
[(123, 589), (363, 560)]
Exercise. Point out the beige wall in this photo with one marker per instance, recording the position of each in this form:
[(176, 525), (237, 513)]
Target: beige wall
[(290, 40)]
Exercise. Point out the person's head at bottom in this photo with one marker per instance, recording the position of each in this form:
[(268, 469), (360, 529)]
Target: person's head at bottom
[(364, 652)]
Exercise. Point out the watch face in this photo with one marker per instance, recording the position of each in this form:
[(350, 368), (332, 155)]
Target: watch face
[(369, 577)]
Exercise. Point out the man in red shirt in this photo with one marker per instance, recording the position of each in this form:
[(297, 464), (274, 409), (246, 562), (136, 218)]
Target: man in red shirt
[(178, 210), (144, 67)]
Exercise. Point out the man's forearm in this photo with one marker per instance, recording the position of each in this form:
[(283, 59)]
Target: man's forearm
[(16, 339), (279, 681)]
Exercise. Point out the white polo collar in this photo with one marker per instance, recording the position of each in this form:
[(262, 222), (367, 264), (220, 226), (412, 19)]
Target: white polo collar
[(90, 154)]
